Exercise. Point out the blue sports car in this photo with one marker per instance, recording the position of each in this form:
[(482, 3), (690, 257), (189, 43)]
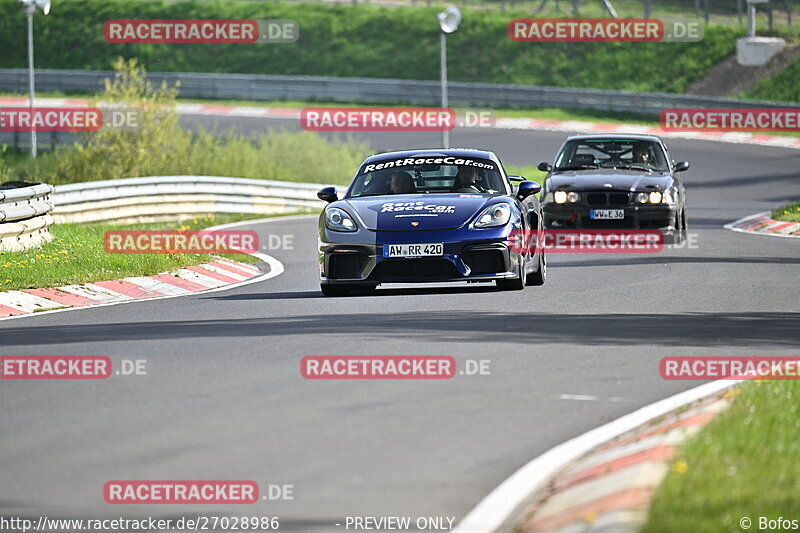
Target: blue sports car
[(429, 216)]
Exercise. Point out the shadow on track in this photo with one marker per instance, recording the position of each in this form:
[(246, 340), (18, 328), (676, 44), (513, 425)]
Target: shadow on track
[(760, 329)]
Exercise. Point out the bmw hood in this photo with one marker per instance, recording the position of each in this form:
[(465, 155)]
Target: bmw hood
[(417, 211), (620, 180)]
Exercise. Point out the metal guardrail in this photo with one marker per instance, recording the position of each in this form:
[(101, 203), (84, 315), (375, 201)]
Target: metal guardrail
[(373, 90), (25, 217), (169, 197)]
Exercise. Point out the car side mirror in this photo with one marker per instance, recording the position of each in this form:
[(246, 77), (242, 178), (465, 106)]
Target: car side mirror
[(544, 166), (328, 194), (681, 166), (527, 188)]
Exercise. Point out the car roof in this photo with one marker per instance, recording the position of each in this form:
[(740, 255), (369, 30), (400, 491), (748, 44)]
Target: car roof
[(428, 152), (624, 136)]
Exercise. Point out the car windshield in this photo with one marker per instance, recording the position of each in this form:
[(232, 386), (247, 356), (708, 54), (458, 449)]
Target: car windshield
[(442, 174), (612, 153)]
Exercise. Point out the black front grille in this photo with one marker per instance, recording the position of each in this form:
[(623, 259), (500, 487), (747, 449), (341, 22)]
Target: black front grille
[(606, 198), (346, 265), (415, 270), (618, 198), (485, 261), (596, 198)]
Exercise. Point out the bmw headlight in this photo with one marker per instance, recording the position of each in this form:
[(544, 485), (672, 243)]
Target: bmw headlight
[(563, 196), (653, 197), (494, 215), (338, 220)]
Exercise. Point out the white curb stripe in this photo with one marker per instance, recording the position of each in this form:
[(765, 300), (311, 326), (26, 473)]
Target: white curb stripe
[(214, 268), (157, 286), (200, 279), (498, 510), (26, 302)]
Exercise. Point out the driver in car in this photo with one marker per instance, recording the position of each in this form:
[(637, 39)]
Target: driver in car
[(466, 180), (402, 183), (641, 154)]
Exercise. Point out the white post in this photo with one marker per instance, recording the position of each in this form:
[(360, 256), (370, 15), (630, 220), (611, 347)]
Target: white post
[(30, 10), (443, 60)]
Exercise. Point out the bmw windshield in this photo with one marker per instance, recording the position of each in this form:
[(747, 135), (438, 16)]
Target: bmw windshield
[(442, 174), (630, 154)]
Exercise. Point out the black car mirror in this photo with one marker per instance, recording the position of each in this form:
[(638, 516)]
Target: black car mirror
[(328, 194), (545, 166), (527, 188), (681, 166)]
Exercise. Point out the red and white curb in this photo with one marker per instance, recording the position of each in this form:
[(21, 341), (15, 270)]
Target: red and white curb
[(500, 123), (212, 275), (611, 488), (763, 224), (502, 509)]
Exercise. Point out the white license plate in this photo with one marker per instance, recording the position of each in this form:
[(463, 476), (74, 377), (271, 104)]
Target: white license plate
[(607, 214), (413, 250)]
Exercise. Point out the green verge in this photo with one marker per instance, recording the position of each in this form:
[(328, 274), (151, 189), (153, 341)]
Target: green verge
[(76, 255), (785, 87), (790, 213), (361, 41), (744, 463)]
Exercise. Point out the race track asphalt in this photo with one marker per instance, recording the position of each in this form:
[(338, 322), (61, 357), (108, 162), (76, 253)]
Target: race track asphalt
[(223, 397)]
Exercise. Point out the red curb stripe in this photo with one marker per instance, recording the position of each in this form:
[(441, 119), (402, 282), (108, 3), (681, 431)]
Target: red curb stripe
[(606, 127), (211, 274), (781, 226), (178, 282), (240, 266), (128, 289), (696, 420), (10, 311), (656, 453), (217, 109), (753, 223), (62, 297), (284, 111), (628, 499), (231, 268)]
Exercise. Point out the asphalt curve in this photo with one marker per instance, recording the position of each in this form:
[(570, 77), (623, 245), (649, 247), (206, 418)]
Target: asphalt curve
[(223, 397)]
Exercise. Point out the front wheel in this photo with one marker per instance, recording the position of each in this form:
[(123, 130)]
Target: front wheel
[(540, 276), (514, 284)]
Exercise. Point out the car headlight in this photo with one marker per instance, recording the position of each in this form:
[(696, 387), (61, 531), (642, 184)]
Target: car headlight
[(563, 196), (653, 197), (338, 220), (494, 215)]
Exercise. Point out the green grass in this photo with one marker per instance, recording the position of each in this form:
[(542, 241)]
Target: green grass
[(790, 213), (76, 255), (744, 463), (362, 41), (785, 87)]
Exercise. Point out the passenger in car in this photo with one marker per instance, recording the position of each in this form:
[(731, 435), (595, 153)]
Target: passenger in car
[(402, 183)]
